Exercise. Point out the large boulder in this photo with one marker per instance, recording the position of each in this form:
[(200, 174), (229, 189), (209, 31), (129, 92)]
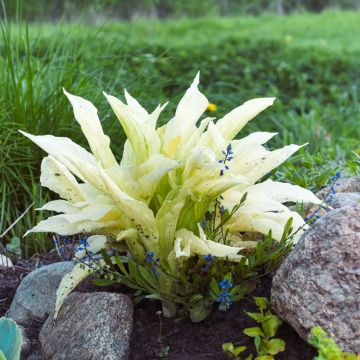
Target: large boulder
[(35, 297), (319, 282), (339, 199), (94, 325)]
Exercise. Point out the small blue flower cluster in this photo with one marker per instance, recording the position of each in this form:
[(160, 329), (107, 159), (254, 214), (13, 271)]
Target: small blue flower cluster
[(150, 257), (227, 157), (83, 244), (203, 224), (65, 247), (313, 217), (225, 296), (209, 259), (333, 182)]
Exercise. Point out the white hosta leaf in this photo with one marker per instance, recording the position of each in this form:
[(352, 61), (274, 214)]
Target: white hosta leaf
[(256, 138), (211, 188), (284, 192), (137, 211), (86, 115), (56, 177), (141, 135), (138, 111), (269, 161), (87, 219), (65, 151), (213, 139), (63, 206), (167, 219), (152, 172), (187, 145), (234, 121), (69, 283), (260, 214), (95, 244), (187, 243), (188, 112), (129, 156), (200, 159), (5, 261)]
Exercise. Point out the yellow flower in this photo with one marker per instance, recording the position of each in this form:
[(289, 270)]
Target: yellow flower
[(211, 107)]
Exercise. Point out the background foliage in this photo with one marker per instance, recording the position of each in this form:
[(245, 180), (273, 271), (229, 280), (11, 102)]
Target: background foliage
[(309, 61), (125, 9)]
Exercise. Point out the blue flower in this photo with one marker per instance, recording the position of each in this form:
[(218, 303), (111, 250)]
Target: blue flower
[(149, 256), (209, 259), (224, 299), (203, 224), (226, 284), (155, 262)]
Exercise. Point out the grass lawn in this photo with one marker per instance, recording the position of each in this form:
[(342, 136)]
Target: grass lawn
[(310, 62)]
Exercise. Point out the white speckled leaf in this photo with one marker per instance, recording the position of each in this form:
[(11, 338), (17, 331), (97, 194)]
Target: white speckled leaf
[(69, 282), (86, 115)]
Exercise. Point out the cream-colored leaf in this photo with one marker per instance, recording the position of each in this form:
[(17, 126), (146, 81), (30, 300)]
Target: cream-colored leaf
[(200, 246), (234, 121), (284, 192), (270, 161), (141, 135), (69, 283), (65, 151), (86, 115), (56, 177), (188, 112), (95, 244)]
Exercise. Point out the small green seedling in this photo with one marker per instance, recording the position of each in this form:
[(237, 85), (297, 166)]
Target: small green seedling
[(327, 347), (234, 352), (10, 340), (266, 345)]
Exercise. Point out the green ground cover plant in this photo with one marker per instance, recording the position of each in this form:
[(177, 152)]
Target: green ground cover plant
[(304, 60)]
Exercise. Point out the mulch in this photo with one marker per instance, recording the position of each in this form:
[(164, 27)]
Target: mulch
[(152, 333)]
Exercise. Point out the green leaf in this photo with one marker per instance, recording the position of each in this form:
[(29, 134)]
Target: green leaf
[(14, 246), (106, 258), (256, 316), (239, 349), (104, 282), (149, 277), (271, 325), (2, 356), (261, 302), (120, 264), (134, 273), (253, 332), (214, 287), (10, 340), (258, 342), (275, 346), (264, 357)]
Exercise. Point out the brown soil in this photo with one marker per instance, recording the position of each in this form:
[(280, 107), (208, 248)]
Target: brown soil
[(202, 341), (185, 339)]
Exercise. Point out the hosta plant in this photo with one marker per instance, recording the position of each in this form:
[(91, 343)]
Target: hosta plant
[(182, 197)]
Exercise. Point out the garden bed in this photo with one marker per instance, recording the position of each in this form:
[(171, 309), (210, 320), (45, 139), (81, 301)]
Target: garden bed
[(185, 339)]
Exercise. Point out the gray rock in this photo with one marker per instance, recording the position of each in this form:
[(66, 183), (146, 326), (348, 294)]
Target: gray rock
[(343, 185), (26, 344), (319, 282), (340, 200), (35, 296), (94, 325)]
